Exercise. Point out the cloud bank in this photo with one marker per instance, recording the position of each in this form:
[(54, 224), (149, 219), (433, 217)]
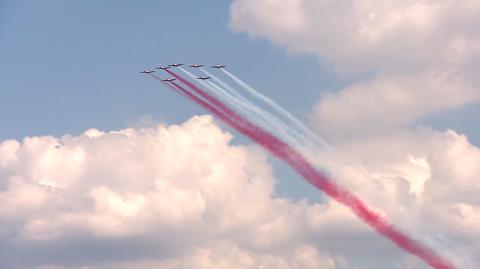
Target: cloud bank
[(166, 196), (161, 197)]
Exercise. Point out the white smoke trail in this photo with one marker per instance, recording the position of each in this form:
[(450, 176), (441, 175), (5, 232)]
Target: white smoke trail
[(224, 85), (279, 109), (253, 112), (228, 97), (266, 117), (217, 91), (293, 131)]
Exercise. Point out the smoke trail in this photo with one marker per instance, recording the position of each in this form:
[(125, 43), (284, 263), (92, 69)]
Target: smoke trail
[(242, 107), (224, 85), (283, 151), (280, 128), (221, 93), (297, 134), (294, 136), (216, 90), (257, 115), (168, 85), (278, 108), (267, 119)]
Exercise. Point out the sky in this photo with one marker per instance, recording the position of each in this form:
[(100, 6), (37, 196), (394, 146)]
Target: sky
[(390, 84), (78, 62)]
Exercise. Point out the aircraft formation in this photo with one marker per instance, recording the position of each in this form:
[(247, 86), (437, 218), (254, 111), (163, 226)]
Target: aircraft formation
[(162, 67)]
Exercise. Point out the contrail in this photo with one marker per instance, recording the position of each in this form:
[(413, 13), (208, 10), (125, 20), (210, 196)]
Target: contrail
[(286, 153), (285, 113)]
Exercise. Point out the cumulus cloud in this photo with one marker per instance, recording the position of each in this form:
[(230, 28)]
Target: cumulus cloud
[(175, 196), (389, 102), (424, 180), (363, 35), (417, 57), (161, 197), (221, 255)]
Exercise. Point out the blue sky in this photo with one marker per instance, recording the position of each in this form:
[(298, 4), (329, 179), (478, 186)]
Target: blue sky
[(69, 66)]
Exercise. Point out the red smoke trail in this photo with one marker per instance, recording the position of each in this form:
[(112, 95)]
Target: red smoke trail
[(283, 151), (169, 84), (200, 92)]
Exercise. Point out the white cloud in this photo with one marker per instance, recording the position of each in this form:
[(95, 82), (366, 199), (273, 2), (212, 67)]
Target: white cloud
[(180, 187), (219, 255), (160, 197), (421, 57), (390, 102), (364, 35), (423, 180)]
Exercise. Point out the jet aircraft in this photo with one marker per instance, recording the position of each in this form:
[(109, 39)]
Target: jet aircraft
[(163, 67), (203, 78), (175, 65), (196, 65), (169, 79), (218, 66), (147, 71)]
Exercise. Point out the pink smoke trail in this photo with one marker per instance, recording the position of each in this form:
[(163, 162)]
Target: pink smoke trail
[(283, 151)]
